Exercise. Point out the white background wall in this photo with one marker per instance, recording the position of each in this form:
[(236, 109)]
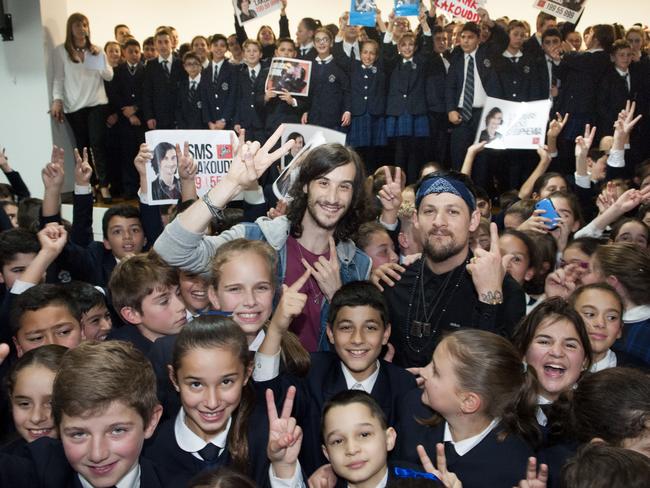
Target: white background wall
[(26, 129)]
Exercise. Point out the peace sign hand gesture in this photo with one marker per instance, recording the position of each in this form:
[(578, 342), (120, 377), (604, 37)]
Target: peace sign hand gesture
[(82, 169), (326, 272), (187, 167), (533, 478), (285, 435), (390, 194), (488, 269), (450, 480)]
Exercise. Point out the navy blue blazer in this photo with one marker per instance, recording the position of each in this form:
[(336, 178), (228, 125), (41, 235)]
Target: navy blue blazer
[(532, 47), (612, 95), (130, 333), (580, 75), (188, 107), (179, 467), (435, 85), (310, 55), (517, 81), (329, 95), (128, 87), (218, 98), (492, 462), (368, 89), (250, 109), (160, 91), (160, 354)]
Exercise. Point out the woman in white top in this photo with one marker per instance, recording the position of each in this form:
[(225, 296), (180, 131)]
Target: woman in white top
[(78, 93)]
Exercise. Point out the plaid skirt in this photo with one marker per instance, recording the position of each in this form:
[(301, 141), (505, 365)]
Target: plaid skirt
[(367, 130), (407, 125)]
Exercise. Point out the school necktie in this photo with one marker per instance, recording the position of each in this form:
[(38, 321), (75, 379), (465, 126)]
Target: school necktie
[(253, 77), (210, 454), (132, 69), (165, 67), (192, 89), (626, 80), (216, 74), (303, 52), (468, 93), (352, 54)]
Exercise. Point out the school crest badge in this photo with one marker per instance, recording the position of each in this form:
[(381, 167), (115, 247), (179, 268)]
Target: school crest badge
[(224, 86), (331, 78)]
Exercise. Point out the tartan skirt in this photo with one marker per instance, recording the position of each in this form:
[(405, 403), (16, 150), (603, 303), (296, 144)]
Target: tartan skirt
[(407, 125), (367, 130)]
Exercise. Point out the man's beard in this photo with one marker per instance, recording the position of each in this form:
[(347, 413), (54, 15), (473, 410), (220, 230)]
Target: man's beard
[(311, 209), (442, 252)]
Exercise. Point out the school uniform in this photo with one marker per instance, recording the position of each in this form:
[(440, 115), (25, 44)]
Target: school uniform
[(533, 46), (178, 450), (129, 81), (368, 105), (636, 333), (218, 92), (329, 94), (615, 88), (617, 359), (278, 112), (435, 94), (307, 52), (161, 81), (130, 333), (482, 461), (250, 111), (188, 106)]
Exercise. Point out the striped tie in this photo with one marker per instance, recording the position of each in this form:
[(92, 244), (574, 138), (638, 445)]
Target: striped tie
[(468, 94)]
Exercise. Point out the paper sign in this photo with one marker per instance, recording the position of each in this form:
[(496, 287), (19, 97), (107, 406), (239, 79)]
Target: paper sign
[(363, 12), (95, 62), (289, 74), (466, 10), (246, 10), (513, 125), (568, 10), (407, 8), (211, 149)]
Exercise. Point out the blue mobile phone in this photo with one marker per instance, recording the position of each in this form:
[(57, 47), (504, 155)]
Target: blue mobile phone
[(549, 212)]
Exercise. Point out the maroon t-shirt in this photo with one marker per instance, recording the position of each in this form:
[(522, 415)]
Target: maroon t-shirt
[(306, 325)]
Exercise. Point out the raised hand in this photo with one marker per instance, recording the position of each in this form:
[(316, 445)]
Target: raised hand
[(556, 125), (386, 273), (53, 173), (53, 238), (82, 169), (291, 303), (323, 477), (561, 282), (536, 222), (143, 157), (488, 269), (534, 479), (626, 120), (285, 435), (450, 480), (250, 160), (279, 209), (187, 168), (390, 194), (584, 142), (326, 271), (4, 162)]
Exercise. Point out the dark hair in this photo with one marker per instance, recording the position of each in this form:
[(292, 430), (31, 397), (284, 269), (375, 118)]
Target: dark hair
[(125, 211), (159, 153), (218, 37), (630, 265), (587, 245), (550, 310), (492, 113), (358, 294), (618, 225), (86, 296), (605, 35), (7, 192), (48, 356), (69, 41), (118, 26), (597, 465), (29, 210), (162, 31), (523, 208), (222, 477), (38, 297), (209, 331), (311, 24), (533, 257), (17, 241), (471, 27), (612, 405), (552, 32), (187, 56), (196, 38), (543, 17), (546, 250), (490, 366), (573, 203), (96, 374), (544, 179), (365, 233), (148, 41), (348, 397), (513, 24), (318, 163), (573, 298), (285, 39), (131, 42)]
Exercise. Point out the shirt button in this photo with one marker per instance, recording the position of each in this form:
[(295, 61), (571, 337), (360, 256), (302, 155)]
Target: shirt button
[(405, 95), (365, 87), (365, 76), (216, 95), (365, 98), (252, 106)]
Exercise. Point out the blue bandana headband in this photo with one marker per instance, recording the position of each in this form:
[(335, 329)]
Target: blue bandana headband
[(441, 184)]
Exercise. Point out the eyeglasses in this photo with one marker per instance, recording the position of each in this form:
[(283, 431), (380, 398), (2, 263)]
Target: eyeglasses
[(321, 40), (191, 64)]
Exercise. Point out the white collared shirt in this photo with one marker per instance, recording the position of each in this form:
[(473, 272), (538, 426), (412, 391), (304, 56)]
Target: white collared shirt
[(637, 314), (541, 416), (306, 47), (326, 60), (298, 482), (609, 361), (257, 342), (366, 385), (188, 441), (347, 47), (479, 92), (466, 445), (255, 68), (627, 76), (509, 55), (169, 60), (216, 67), (197, 79), (130, 479)]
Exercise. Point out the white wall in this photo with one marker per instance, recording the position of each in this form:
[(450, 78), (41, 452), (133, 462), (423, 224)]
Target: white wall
[(27, 131)]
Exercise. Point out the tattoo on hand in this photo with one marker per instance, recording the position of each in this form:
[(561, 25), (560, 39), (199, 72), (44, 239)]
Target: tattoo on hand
[(492, 297)]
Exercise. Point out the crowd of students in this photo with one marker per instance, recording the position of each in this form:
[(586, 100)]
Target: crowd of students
[(389, 330)]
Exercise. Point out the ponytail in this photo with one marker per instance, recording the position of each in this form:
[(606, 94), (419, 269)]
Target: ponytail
[(520, 414)]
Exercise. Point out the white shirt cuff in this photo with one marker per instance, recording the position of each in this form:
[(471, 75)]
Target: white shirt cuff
[(143, 197), (616, 158), (21, 287), (589, 230), (386, 226), (553, 155), (82, 189), (583, 181), (295, 482), (388, 38), (266, 367), (254, 197)]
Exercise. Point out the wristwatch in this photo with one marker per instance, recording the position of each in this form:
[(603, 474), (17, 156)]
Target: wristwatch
[(217, 212)]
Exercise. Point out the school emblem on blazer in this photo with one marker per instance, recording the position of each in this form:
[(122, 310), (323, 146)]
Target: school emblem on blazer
[(198, 104), (224, 86), (373, 69), (487, 63), (414, 66), (331, 78), (527, 69)]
